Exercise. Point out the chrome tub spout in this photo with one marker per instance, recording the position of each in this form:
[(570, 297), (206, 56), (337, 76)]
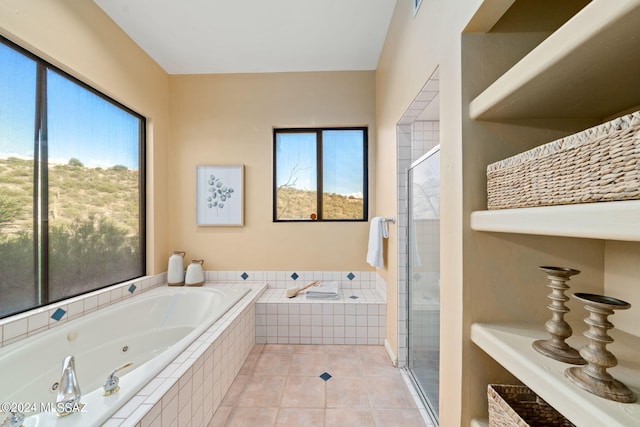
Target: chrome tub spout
[(68, 396), (14, 419)]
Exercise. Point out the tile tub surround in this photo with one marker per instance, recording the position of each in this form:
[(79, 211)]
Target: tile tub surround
[(320, 385), (190, 389), (23, 325), (360, 320), (193, 385), (357, 317)]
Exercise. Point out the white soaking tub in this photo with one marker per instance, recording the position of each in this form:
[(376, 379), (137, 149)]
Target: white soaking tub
[(149, 331)]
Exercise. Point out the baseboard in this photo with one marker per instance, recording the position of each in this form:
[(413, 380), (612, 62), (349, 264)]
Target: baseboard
[(392, 355)]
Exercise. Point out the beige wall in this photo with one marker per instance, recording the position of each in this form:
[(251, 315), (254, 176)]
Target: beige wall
[(216, 119), (413, 49), (484, 276), (621, 274), (229, 120), (80, 39)]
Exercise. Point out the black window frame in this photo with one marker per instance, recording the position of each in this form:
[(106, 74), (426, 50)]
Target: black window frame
[(319, 177), (40, 177)]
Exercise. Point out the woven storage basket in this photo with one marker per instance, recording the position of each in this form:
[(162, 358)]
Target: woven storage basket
[(597, 165), (515, 405)]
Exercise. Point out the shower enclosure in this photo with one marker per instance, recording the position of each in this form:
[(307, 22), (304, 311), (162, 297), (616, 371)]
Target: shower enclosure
[(424, 276)]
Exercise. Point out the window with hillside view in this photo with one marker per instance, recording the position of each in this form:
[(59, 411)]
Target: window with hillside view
[(71, 185), (320, 174)]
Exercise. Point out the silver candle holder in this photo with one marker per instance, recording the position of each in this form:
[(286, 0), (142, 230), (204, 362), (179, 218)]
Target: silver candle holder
[(556, 347), (593, 377)]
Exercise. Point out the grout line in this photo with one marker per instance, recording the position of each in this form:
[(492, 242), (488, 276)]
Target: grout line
[(326, 350)]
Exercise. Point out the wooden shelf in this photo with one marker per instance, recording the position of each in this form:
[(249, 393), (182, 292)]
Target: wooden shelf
[(608, 220), (585, 69), (510, 345)]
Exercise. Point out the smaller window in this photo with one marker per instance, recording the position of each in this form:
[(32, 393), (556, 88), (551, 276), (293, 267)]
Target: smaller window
[(320, 174)]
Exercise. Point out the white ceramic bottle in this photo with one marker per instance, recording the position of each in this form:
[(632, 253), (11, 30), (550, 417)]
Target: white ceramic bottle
[(195, 274), (175, 271)]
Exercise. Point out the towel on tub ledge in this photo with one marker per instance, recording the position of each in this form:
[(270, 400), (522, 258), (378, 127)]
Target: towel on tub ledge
[(377, 231), (324, 291)]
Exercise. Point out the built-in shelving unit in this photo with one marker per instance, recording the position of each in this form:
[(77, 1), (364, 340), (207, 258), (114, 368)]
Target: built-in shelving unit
[(610, 220), (510, 345), (562, 77), (586, 69)]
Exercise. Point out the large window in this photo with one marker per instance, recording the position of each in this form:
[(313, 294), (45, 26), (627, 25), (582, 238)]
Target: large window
[(71, 186), (320, 174)]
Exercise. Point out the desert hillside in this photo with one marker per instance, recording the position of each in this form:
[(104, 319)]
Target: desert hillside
[(75, 193)]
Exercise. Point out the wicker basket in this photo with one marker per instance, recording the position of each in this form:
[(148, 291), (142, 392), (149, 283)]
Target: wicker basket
[(515, 405), (597, 165)]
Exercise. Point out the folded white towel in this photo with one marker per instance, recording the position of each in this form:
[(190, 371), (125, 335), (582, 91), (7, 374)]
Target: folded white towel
[(325, 290), (323, 297), (377, 231)]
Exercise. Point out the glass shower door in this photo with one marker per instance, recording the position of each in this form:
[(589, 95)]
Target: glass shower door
[(424, 276)]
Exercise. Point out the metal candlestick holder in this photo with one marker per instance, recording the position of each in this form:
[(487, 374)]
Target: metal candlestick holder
[(558, 328), (594, 377)]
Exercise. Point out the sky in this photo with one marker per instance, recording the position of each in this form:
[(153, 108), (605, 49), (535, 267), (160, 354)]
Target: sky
[(342, 161), (81, 124), (84, 126)]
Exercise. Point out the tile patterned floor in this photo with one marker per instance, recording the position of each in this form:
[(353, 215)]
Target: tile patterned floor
[(280, 385)]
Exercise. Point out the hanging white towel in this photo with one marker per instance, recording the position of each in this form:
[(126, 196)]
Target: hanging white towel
[(377, 230)]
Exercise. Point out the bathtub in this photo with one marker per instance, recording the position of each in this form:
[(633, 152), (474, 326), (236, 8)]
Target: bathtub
[(149, 331)]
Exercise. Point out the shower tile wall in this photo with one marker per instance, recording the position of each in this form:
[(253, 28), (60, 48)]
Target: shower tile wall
[(424, 136), (404, 161), (428, 237), (414, 140), (425, 302)]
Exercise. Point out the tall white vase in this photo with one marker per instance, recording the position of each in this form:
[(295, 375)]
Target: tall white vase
[(175, 271)]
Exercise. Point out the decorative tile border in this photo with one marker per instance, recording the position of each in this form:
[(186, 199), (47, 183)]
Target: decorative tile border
[(29, 323), (289, 279), (23, 325)]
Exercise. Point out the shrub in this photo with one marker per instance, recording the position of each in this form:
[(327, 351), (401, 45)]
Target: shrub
[(75, 163)]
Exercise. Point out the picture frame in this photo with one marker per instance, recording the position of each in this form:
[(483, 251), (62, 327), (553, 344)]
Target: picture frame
[(220, 195)]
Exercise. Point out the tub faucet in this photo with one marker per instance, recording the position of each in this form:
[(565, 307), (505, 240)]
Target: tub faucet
[(111, 384), (68, 396), (15, 419)]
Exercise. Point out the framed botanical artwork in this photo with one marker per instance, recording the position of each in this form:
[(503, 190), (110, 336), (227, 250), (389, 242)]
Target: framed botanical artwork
[(219, 195)]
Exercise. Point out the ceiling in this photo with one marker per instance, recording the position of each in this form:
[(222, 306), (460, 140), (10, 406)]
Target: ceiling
[(255, 36)]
